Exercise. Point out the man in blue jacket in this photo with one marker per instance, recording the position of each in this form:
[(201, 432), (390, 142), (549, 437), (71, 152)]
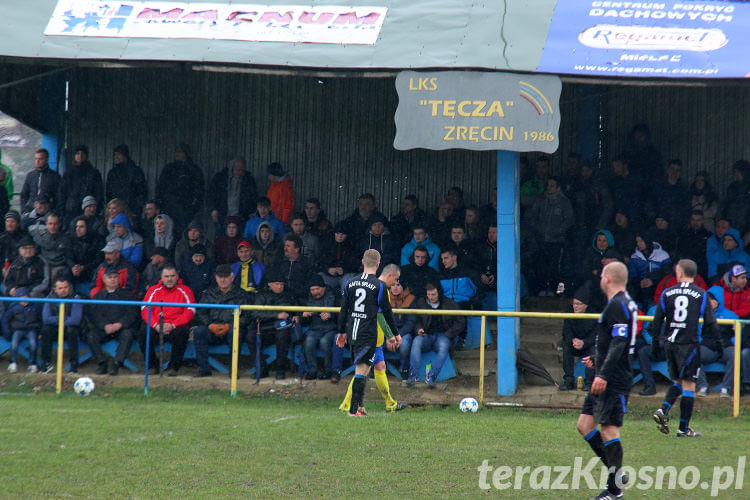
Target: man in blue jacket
[(421, 238), (62, 289)]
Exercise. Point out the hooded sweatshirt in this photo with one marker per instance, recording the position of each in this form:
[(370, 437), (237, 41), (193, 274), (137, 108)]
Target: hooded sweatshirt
[(736, 300), (641, 266), (266, 253), (721, 256), (132, 243), (725, 332), (432, 250)]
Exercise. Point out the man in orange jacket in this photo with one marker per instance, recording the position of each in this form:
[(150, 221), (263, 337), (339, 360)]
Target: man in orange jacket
[(280, 192), (174, 324)]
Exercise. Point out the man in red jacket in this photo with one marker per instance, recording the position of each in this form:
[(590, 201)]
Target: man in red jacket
[(736, 292), (280, 192), (175, 320)]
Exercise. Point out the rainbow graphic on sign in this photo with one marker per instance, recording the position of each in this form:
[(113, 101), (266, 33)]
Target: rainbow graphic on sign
[(536, 99)]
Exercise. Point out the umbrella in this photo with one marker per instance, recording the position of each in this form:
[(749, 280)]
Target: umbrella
[(527, 362)]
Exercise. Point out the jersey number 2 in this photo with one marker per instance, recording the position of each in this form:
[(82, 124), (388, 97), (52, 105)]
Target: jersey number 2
[(358, 304)]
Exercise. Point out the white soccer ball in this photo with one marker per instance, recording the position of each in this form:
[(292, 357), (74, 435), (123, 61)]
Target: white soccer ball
[(84, 386), (468, 405)]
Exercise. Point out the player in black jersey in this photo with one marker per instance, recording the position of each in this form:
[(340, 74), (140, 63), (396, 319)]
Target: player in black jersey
[(607, 399), (363, 297), (683, 305)]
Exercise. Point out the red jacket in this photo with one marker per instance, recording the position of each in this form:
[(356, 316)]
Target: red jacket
[(281, 195), (128, 277), (671, 280), (178, 316), (738, 302)]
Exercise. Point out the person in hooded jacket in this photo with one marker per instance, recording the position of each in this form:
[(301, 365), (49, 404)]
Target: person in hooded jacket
[(132, 242), (162, 236), (198, 272), (418, 273), (280, 192), (267, 246), (382, 241), (339, 258), (10, 237), (193, 235), (731, 251), (23, 320), (225, 246), (578, 337), (601, 241), (736, 291), (647, 266), (263, 214), (421, 237), (126, 180)]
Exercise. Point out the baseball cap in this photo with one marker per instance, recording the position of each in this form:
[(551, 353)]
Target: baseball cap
[(736, 270), (113, 245), (244, 243)]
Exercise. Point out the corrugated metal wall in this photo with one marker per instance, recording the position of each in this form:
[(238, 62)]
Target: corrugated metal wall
[(335, 136)]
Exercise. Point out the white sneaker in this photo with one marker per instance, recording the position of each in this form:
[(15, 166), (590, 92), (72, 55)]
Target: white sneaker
[(724, 393), (33, 368), (13, 367), (702, 392), (560, 288)]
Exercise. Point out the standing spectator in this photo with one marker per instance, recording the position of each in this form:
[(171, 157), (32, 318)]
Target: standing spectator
[(359, 222), (225, 247), (310, 242), (578, 337), (339, 258), (181, 186), (85, 252), (280, 192), (670, 196), (625, 189), (473, 224), (198, 272), (95, 222), (171, 321), (10, 237), (321, 331), (126, 180), (385, 243), (131, 242), (421, 237), (82, 179), (113, 259), (163, 236), (643, 157), (73, 324), (550, 218), (54, 245), (7, 179), (266, 245), (731, 252), (112, 322), (23, 320), (316, 221), (42, 181), (593, 208), (739, 187), (192, 236), (248, 274), (433, 333), (294, 268), (263, 214), (534, 187), (403, 223), (692, 240), (440, 227), (455, 196), (232, 192), (487, 260), (489, 211), (27, 270), (418, 272), (215, 326), (704, 199)]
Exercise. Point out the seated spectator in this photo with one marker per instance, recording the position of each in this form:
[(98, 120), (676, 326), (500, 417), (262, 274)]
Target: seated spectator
[(704, 199), (310, 243), (670, 279), (152, 272), (113, 258), (578, 338), (248, 273), (433, 333), (28, 270), (275, 326), (549, 218), (662, 232), (85, 252), (115, 207), (692, 240), (486, 253), (358, 224), (263, 214), (489, 211), (73, 324), (96, 222), (455, 196), (602, 241), (646, 357), (214, 326), (322, 329), (225, 247), (403, 223), (315, 220), (382, 241), (171, 321), (267, 246), (418, 273), (294, 268), (23, 320), (34, 221), (731, 251), (736, 292), (421, 237), (192, 236), (474, 226), (623, 233), (339, 259), (280, 192), (162, 236), (112, 322), (717, 347), (459, 283), (198, 272), (10, 237), (131, 242), (402, 298), (54, 245), (464, 246), (648, 264)]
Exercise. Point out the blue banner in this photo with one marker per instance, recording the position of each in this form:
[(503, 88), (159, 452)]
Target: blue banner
[(667, 39)]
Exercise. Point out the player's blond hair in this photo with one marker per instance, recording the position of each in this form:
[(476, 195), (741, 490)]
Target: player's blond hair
[(371, 258), (617, 272), (689, 267), (392, 269)]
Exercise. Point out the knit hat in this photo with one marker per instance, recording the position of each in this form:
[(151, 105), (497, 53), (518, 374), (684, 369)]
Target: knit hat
[(583, 294), (161, 251), (123, 150), (316, 280), (83, 149), (88, 201), (611, 253), (274, 275), (276, 169), (198, 249), (233, 219), (13, 214)]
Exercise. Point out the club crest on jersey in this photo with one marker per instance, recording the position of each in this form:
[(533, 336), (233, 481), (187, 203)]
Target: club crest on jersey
[(619, 330)]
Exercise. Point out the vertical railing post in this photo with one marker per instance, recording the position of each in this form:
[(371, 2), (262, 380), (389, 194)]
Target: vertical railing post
[(235, 350), (60, 342), (481, 359), (148, 349), (737, 351)]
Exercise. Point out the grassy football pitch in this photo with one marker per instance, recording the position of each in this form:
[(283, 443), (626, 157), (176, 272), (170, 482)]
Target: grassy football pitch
[(203, 444)]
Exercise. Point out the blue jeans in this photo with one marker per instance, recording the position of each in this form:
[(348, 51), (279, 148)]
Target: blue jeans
[(405, 351), (726, 357), (19, 335), (437, 342), (323, 340)]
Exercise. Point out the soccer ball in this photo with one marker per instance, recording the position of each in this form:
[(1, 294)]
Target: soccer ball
[(83, 386), (468, 405)]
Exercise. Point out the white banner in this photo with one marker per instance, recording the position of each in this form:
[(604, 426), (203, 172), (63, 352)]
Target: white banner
[(247, 22)]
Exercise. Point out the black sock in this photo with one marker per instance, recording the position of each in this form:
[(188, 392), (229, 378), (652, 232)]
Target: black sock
[(614, 456), (594, 439), (686, 409), (358, 392), (672, 393)]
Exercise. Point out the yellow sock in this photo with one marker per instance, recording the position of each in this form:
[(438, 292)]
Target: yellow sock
[(381, 380), (347, 403)]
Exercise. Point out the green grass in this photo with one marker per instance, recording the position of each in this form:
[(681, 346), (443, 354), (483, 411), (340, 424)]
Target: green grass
[(202, 444)]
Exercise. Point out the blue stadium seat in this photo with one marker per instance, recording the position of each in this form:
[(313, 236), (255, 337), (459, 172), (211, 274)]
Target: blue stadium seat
[(110, 347), (4, 345), (474, 333)]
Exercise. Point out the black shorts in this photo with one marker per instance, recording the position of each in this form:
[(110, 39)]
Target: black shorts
[(607, 408), (683, 360), (363, 352)]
